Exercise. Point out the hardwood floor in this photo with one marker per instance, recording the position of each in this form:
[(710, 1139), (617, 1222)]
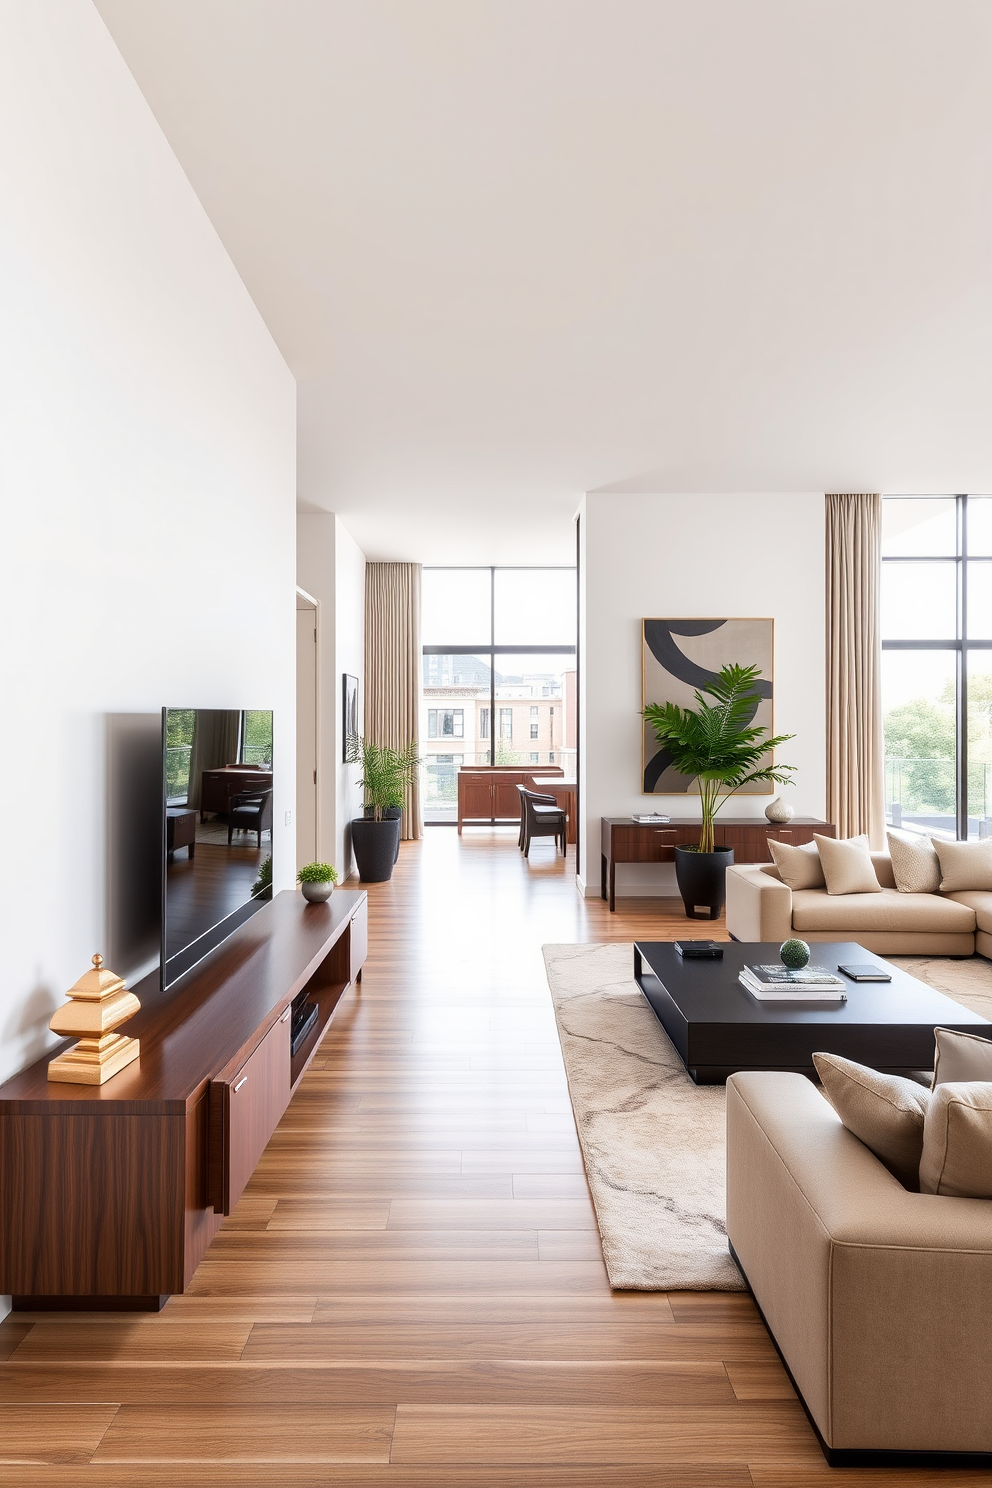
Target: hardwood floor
[(411, 1292)]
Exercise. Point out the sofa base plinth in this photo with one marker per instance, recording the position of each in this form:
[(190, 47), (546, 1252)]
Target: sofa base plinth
[(861, 1456)]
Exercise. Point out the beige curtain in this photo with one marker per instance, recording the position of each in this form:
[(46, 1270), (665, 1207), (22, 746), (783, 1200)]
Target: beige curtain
[(393, 665), (855, 766), (216, 741)]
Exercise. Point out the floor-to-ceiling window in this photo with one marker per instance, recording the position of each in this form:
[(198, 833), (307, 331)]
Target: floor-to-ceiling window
[(937, 663), (499, 674)]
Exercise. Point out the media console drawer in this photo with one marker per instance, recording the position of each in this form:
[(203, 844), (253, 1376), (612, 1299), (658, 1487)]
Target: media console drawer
[(245, 1109)]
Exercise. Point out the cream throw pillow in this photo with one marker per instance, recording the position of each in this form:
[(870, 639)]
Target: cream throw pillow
[(964, 865), (960, 1056), (915, 864), (798, 867), (957, 1141), (886, 1112), (847, 865)]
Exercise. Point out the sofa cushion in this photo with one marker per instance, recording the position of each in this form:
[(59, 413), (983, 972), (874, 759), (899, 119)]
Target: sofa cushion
[(965, 865), (960, 1056), (886, 1112), (812, 909), (957, 1141), (981, 903), (798, 867), (847, 865), (914, 862)]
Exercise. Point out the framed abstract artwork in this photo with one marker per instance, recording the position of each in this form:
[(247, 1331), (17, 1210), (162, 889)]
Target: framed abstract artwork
[(679, 656), (349, 713)]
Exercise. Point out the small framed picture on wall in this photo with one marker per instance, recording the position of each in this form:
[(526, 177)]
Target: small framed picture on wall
[(349, 688)]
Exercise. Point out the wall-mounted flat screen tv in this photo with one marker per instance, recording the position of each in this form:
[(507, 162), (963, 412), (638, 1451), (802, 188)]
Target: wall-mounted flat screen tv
[(216, 828)]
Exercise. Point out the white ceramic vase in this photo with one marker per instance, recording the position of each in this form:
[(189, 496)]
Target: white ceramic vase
[(779, 811)]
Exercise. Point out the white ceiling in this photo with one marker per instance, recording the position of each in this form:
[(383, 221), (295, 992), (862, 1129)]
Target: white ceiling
[(514, 250)]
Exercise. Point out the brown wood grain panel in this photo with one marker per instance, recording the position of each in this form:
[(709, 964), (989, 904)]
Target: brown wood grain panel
[(245, 1109), (56, 1433), (399, 1475), (565, 1434), (92, 1203), (317, 1382), (276, 1434)]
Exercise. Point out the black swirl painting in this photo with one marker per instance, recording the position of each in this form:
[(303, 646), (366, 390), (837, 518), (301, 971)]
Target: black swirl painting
[(679, 656)]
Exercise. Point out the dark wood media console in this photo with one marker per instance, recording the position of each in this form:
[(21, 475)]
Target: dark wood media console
[(109, 1195)]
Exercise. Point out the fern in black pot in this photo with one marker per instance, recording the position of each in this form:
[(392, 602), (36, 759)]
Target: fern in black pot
[(719, 747), (386, 775)]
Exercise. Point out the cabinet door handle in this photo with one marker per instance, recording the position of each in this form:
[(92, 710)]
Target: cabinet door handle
[(285, 1015), (242, 1081)]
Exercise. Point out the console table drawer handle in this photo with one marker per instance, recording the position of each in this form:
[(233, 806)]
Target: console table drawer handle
[(242, 1081)]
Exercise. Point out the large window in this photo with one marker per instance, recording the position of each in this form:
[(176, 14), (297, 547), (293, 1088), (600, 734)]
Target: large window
[(937, 663), (499, 663)]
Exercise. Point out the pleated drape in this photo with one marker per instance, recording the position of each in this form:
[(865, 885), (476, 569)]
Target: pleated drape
[(392, 667), (855, 757)]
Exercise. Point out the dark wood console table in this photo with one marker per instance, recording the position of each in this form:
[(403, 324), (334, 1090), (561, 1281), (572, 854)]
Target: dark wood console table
[(627, 841), (109, 1195)]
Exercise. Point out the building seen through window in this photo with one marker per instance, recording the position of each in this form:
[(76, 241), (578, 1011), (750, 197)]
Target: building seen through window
[(499, 647)]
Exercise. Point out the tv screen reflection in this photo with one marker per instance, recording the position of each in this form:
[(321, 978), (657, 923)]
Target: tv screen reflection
[(217, 829)]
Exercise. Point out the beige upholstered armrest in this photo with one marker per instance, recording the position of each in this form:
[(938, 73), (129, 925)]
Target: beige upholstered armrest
[(759, 906), (871, 1291)]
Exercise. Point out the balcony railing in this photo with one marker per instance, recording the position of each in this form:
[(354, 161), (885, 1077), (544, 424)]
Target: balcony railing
[(920, 796)]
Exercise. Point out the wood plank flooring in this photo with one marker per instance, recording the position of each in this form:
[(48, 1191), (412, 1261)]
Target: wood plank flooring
[(411, 1292)]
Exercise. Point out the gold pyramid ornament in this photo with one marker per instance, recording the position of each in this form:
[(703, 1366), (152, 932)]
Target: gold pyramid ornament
[(100, 1002)]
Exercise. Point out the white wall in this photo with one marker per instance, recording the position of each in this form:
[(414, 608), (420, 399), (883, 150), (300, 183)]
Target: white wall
[(331, 567), (147, 486), (699, 555)]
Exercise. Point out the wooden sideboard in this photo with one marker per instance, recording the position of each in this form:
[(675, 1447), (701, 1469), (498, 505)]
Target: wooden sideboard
[(627, 841), (218, 786), (110, 1194), (488, 793)]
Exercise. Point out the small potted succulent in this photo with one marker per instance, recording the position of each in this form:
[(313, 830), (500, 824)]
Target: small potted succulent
[(317, 881)]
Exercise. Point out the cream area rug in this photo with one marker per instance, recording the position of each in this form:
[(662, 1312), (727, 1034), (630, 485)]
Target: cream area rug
[(653, 1142)]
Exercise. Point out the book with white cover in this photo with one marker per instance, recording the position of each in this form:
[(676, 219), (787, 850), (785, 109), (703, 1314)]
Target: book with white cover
[(776, 975), (790, 992)]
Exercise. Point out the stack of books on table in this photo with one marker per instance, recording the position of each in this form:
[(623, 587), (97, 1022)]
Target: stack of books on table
[(776, 983)]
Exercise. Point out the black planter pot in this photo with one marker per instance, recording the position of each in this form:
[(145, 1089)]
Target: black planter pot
[(391, 813), (702, 879), (377, 846)]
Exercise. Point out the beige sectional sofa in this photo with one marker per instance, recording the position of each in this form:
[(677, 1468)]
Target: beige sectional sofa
[(874, 1295), (760, 907)]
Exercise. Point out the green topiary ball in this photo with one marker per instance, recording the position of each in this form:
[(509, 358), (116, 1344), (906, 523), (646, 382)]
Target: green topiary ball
[(795, 954)]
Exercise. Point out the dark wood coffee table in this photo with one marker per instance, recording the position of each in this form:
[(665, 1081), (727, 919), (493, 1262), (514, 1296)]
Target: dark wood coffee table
[(717, 1027)]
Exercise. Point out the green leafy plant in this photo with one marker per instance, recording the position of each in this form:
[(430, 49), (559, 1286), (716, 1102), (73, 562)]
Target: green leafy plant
[(264, 879), (317, 873), (716, 744), (386, 772)]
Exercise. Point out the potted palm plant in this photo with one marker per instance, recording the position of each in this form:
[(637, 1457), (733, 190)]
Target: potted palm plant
[(718, 746), (386, 774)]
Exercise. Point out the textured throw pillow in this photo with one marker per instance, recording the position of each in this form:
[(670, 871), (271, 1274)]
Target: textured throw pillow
[(886, 1112), (960, 1056), (915, 865), (957, 1141), (965, 865), (798, 867), (847, 865)]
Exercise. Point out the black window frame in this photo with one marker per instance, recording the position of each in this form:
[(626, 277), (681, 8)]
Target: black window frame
[(962, 644)]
